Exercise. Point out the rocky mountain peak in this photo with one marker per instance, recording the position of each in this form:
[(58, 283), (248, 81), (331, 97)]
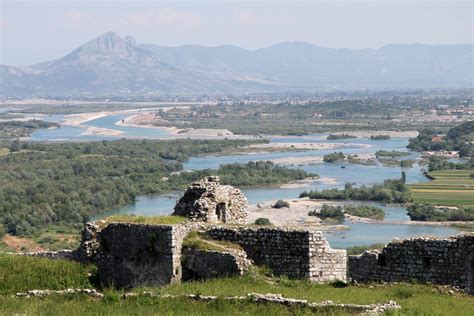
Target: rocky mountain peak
[(112, 44)]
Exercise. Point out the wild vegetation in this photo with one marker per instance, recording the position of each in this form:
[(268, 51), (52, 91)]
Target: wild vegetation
[(281, 204), (263, 221), (15, 129), (364, 211), (357, 250), (458, 138), (392, 190), (380, 137), (338, 212), (57, 184), (441, 163), (393, 153), (428, 212), (333, 157), (196, 240), (23, 273), (329, 212), (340, 136)]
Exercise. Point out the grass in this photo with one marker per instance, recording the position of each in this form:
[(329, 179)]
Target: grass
[(5, 248), (58, 237), (26, 273), (448, 187), (21, 273), (357, 250), (142, 306), (151, 220), (196, 240)]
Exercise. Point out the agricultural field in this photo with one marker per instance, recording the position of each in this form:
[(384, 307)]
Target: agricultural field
[(448, 187)]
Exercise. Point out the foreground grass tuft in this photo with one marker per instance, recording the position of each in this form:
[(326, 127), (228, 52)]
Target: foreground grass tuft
[(22, 273), (199, 241)]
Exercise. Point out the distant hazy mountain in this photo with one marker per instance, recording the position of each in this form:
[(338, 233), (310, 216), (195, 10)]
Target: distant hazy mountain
[(112, 65)]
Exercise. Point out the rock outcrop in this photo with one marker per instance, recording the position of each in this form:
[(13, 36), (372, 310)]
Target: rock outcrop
[(209, 201)]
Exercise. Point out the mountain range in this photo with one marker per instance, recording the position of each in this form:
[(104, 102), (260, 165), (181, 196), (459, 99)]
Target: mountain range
[(112, 65)]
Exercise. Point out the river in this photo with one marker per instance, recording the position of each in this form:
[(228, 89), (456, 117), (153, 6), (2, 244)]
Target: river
[(339, 173)]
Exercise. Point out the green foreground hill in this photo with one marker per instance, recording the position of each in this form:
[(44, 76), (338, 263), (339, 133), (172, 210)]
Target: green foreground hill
[(20, 274)]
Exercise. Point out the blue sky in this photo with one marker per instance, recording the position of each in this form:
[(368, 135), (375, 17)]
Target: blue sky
[(35, 31)]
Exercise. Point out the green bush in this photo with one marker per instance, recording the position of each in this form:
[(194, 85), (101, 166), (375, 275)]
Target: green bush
[(392, 190), (340, 136), (334, 157), (428, 212), (281, 204), (380, 137), (329, 212), (263, 221), (365, 211)]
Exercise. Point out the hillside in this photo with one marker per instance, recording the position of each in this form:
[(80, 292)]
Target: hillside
[(112, 65)]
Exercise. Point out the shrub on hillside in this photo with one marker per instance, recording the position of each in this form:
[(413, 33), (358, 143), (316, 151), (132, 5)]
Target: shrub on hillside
[(329, 212), (263, 221), (281, 204)]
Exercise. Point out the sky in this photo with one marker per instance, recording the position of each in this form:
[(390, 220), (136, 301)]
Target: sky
[(36, 31)]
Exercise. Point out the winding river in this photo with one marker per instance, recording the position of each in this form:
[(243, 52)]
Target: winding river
[(339, 173)]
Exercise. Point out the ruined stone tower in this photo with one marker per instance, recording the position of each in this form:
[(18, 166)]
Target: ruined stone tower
[(209, 201)]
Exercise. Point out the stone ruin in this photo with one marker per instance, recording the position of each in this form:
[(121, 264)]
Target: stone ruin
[(446, 261), (129, 255), (209, 201)]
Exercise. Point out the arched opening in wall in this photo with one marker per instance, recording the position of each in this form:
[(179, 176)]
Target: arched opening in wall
[(220, 211)]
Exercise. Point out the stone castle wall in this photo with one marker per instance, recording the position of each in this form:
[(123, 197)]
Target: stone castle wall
[(129, 255), (440, 261), (298, 254), (140, 255), (207, 264)]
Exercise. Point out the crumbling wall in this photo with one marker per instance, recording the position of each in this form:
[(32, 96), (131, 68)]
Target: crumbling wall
[(209, 201), (129, 255), (298, 254), (140, 255), (436, 260), (207, 264)]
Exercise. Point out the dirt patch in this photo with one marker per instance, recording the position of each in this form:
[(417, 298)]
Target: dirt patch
[(18, 242)]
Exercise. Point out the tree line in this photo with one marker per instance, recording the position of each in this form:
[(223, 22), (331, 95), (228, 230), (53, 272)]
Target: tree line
[(46, 184)]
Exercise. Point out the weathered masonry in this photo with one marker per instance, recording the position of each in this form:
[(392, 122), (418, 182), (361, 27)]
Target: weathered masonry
[(295, 253), (209, 201), (440, 261), (129, 255)]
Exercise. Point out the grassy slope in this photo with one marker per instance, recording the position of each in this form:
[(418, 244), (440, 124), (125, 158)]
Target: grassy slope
[(450, 187), (23, 273)]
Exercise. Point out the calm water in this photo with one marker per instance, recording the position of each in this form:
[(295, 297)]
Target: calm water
[(75, 132), (359, 233)]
